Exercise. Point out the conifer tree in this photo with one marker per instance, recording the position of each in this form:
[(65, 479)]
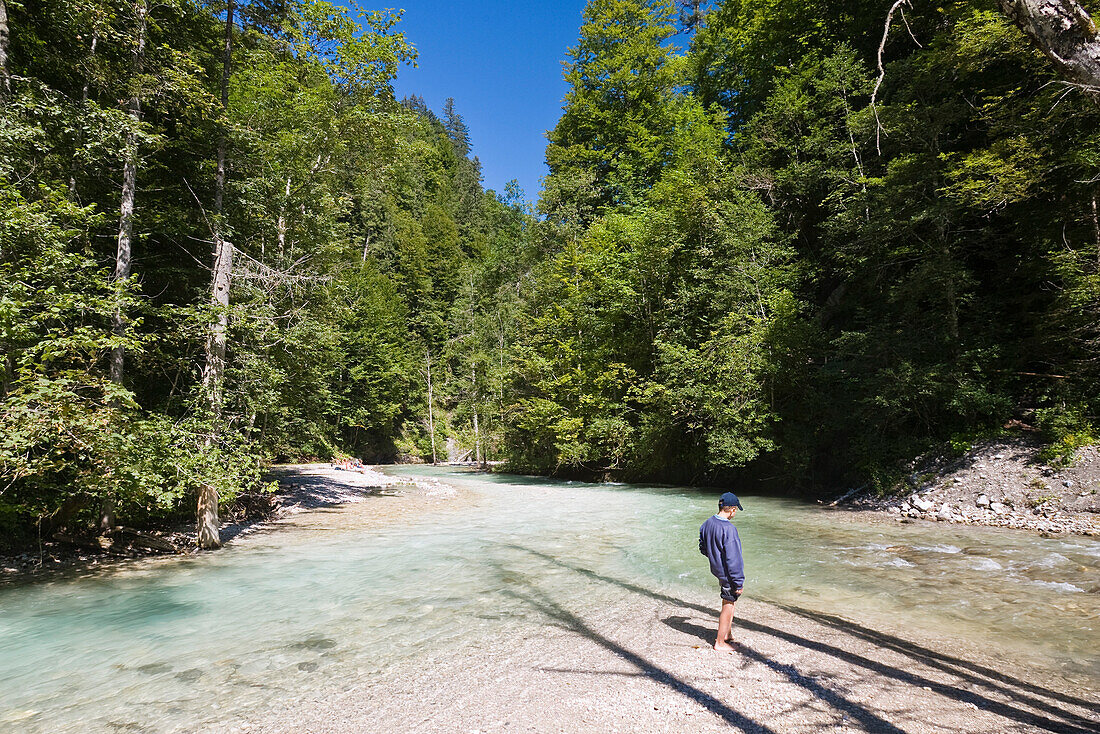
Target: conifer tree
[(613, 136), (456, 128)]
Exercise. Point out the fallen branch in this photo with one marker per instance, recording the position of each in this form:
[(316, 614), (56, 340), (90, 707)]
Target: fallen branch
[(145, 540), (78, 542), (850, 492), (882, 69)]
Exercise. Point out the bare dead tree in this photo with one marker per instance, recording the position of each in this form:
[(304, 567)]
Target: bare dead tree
[(895, 8), (213, 376)]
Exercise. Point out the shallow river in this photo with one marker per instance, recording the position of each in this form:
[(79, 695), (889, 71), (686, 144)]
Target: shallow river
[(180, 644)]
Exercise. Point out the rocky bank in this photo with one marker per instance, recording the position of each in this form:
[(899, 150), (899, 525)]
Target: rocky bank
[(1001, 482)]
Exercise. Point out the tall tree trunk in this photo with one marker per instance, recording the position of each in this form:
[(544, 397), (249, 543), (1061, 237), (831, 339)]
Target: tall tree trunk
[(431, 403), (280, 225), (500, 384), (207, 533), (1096, 227), (207, 524), (5, 78), (223, 138), (477, 433), (124, 253), (84, 106), (1063, 31)]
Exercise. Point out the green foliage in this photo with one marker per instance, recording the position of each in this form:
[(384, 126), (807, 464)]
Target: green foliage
[(805, 285), (613, 138), (358, 225), (1040, 500), (68, 433), (1066, 429), (743, 270)]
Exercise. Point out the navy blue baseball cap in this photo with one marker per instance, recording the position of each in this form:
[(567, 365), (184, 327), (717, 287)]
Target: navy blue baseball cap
[(729, 499)]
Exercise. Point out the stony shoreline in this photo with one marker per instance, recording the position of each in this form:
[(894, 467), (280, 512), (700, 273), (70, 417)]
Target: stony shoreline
[(1000, 483)]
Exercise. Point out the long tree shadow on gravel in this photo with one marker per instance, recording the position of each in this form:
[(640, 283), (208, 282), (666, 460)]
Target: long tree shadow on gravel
[(573, 623), (935, 659), (303, 490), (870, 720), (975, 674), (316, 491)]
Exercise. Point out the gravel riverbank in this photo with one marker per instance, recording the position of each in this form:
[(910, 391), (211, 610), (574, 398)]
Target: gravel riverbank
[(644, 664), (1001, 483)]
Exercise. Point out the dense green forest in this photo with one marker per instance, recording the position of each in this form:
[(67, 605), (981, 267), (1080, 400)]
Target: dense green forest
[(788, 242)]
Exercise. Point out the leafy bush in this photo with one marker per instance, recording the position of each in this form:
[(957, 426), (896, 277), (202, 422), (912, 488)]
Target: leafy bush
[(1066, 429)]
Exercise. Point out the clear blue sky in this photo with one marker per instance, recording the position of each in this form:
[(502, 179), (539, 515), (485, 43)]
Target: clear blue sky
[(501, 63)]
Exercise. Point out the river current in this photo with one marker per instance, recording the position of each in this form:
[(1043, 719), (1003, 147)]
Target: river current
[(336, 596)]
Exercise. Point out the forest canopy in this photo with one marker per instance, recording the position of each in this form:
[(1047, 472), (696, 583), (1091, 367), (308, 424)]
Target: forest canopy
[(774, 244)]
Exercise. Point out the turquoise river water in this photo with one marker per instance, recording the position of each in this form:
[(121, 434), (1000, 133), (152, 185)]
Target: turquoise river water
[(212, 641)]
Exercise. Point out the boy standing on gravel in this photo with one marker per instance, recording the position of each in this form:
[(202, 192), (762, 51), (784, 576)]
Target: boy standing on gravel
[(720, 543)]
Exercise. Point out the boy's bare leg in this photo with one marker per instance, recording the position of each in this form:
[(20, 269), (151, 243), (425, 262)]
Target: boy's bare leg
[(725, 626)]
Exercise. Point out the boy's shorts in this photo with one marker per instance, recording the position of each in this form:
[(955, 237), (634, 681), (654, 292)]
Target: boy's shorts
[(728, 592)]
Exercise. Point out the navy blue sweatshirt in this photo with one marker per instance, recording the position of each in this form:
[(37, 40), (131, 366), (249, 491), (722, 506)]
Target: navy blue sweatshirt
[(720, 543)]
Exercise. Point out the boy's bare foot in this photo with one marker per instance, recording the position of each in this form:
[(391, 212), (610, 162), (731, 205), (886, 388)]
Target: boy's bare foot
[(724, 647)]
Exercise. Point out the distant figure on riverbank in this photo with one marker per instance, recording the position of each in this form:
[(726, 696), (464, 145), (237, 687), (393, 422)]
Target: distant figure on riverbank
[(348, 465), (720, 543)]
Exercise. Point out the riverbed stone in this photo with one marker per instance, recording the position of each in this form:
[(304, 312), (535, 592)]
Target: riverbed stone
[(982, 501)]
